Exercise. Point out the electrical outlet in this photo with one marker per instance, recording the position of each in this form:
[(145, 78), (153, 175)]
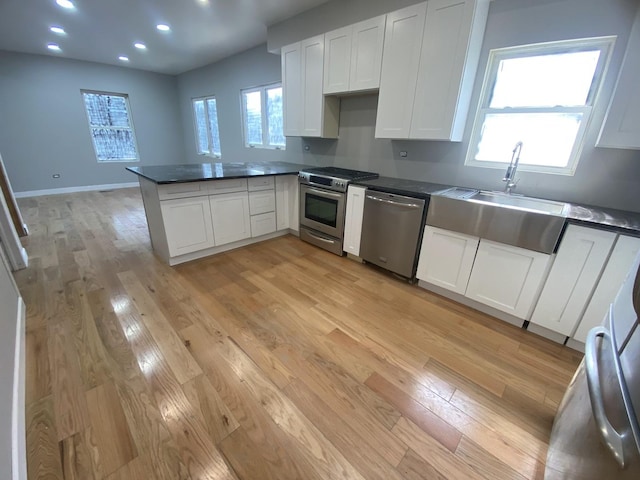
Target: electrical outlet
[(403, 154), (307, 148), (56, 175)]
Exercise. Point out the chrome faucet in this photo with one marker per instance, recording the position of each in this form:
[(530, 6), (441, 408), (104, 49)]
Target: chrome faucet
[(510, 175)]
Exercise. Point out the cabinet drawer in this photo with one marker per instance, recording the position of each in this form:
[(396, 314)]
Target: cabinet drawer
[(228, 186), (263, 224), (182, 190), (262, 202), (260, 183)]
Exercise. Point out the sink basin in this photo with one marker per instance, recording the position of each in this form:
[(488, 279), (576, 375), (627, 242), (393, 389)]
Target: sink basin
[(529, 204), (526, 222)]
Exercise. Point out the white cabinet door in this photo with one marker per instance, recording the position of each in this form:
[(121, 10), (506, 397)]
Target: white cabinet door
[(622, 262), (287, 202), (581, 257), (507, 278), (262, 202), (337, 60), (621, 128), (450, 52), (230, 213), (366, 54), (353, 219), (263, 224), (400, 61), (188, 225), (312, 55), (292, 89), (446, 258)]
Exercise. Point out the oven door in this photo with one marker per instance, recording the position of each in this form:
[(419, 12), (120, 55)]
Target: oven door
[(322, 210)]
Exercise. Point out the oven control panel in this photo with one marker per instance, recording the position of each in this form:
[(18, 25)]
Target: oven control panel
[(328, 182)]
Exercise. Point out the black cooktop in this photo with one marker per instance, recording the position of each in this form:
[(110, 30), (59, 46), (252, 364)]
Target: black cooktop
[(342, 173)]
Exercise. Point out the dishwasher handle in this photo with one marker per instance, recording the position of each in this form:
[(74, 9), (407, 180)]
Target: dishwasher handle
[(410, 204)]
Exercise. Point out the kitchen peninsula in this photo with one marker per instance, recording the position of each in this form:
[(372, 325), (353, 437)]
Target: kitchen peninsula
[(196, 210)]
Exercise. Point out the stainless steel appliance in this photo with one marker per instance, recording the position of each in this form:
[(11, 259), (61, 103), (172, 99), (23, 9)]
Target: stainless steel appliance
[(323, 202), (391, 231), (596, 433)]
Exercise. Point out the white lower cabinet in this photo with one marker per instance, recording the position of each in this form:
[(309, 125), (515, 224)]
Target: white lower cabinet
[(263, 224), (446, 258), (287, 202), (230, 213), (507, 278), (623, 262), (188, 224), (575, 273), (353, 219)]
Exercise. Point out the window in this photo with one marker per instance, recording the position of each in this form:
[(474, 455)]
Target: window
[(111, 127), (262, 117), (206, 122), (541, 95)]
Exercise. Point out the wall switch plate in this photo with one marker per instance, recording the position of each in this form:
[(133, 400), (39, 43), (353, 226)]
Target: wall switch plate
[(56, 175), (403, 153)]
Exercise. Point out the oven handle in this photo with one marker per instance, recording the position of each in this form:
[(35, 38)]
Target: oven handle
[(324, 192), (318, 237)]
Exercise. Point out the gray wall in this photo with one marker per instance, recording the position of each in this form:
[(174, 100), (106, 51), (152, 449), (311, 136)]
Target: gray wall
[(225, 79), (605, 177), (43, 125)]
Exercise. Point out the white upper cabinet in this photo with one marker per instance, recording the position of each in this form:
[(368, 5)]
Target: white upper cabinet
[(353, 219), (451, 45), (400, 62), (353, 57), (431, 54), (576, 270), (507, 278), (621, 128), (307, 112)]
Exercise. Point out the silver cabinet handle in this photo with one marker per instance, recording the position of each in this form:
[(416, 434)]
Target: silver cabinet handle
[(612, 439), (383, 200)]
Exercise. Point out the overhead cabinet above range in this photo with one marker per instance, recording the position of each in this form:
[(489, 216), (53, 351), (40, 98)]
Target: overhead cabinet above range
[(430, 58)]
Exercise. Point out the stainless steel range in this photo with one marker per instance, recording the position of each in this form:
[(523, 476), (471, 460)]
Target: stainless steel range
[(323, 201)]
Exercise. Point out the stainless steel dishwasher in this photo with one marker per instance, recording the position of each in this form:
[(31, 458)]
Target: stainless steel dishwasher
[(391, 231)]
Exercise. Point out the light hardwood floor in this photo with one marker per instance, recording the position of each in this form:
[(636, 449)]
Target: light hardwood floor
[(274, 361)]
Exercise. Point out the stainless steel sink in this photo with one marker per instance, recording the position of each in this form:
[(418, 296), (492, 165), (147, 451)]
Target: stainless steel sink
[(530, 204), (531, 223)]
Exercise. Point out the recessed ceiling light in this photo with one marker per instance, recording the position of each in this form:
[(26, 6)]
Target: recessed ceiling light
[(123, 58), (140, 46), (58, 30), (65, 4), (163, 28), (54, 46)]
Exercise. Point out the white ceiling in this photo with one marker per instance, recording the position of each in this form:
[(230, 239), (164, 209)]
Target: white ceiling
[(202, 31)]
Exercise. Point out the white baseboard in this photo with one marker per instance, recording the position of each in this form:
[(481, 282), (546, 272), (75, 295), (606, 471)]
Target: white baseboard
[(84, 188), (18, 427)]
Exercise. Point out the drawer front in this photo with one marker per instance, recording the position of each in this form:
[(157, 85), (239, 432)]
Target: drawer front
[(182, 190), (263, 224), (261, 183), (228, 186), (262, 202)]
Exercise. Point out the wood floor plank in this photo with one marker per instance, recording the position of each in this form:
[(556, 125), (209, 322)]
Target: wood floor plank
[(110, 428), (414, 467), (79, 461), (38, 373), (484, 463), (43, 455)]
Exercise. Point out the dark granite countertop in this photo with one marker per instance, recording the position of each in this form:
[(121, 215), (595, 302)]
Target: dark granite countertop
[(195, 172), (412, 188)]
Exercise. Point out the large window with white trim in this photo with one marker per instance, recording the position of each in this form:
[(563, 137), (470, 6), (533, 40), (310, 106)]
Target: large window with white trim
[(205, 114), (541, 95), (111, 127), (262, 117)]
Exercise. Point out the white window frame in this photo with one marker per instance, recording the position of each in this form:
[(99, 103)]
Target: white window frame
[(604, 44), (210, 143), (130, 127), (265, 120)]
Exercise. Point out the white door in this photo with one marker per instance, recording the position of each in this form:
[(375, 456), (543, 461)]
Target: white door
[(353, 219), (581, 257), (337, 60), (507, 278), (446, 258), (622, 260), (400, 61), (230, 213), (450, 51), (366, 54), (187, 222), (312, 51), (292, 89)]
